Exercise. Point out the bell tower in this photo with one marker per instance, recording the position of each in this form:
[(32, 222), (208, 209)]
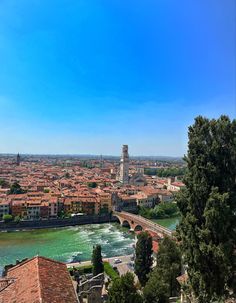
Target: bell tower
[(124, 165)]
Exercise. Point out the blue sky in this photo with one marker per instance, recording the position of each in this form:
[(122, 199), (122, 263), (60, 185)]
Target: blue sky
[(86, 76)]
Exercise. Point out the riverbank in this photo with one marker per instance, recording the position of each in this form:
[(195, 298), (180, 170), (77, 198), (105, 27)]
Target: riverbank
[(124, 259), (53, 223)]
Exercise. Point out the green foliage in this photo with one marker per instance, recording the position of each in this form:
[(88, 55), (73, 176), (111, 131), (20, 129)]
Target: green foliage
[(67, 175), (17, 219), (104, 210), (208, 210), (143, 259), (61, 214), (166, 172), (97, 260), (86, 164), (110, 271), (92, 184), (123, 290), (169, 264), (15, 189), (155, 291), (4, 183), (162, 283), (85, 269), (7, 218), (46, 190), (162, 210)]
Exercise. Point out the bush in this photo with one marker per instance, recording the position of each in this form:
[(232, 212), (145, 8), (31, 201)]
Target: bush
[(7, 218), (110, 271), (86, 269)]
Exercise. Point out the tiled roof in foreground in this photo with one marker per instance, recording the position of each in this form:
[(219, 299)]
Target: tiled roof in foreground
[(38, 280)]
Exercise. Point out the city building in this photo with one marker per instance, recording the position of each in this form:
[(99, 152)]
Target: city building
[(123, 176)]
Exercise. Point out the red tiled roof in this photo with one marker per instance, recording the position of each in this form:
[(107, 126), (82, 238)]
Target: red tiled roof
[(39, 280)]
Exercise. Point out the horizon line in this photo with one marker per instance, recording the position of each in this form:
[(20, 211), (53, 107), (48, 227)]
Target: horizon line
[(96, 155)]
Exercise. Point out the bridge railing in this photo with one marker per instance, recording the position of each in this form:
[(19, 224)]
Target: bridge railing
[(149, 222)]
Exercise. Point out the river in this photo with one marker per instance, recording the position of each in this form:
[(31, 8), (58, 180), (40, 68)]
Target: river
[(69, 244), (170, 223)]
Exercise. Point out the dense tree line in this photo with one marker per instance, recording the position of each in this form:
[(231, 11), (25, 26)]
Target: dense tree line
[(160, 211), (158, 283), (166, 172)]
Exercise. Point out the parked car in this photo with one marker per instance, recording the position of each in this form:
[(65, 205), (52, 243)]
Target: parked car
[(117, 261)]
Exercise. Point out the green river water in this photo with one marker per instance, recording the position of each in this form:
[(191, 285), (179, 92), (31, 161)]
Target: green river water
[(69, 244)]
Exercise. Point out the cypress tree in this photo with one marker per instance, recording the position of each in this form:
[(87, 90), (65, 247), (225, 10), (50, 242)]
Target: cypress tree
[(207, 205), (143, 259), (98, 266)]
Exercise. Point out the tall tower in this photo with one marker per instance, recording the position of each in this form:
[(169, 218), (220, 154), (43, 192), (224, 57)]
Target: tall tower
[(18, 159), (124, 165)]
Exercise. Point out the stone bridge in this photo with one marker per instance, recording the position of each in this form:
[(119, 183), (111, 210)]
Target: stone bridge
[(139, 223)]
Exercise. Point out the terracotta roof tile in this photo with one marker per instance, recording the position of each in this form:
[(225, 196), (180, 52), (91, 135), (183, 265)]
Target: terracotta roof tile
[(39, 280)]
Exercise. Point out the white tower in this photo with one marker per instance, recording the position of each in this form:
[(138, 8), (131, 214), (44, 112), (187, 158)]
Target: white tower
[(124, 165)]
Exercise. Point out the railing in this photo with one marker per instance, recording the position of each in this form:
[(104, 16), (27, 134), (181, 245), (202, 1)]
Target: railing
[(155, 226)]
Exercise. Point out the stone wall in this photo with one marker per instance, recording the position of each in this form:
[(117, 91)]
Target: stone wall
[(80, 220)]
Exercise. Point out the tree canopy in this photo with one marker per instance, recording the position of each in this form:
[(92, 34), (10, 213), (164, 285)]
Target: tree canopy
[(123, 290), (16, 189), (143, 259), (165, 172), (92, 184), (162, 282), (208, 208), (162, 210)]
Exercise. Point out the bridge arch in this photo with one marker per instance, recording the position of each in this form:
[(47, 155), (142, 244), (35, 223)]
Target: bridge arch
[(138, 228), (126, 223)]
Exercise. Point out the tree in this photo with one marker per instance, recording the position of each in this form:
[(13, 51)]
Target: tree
[(67, 175), (207, 205), (97, 260), (143, 259), (92, 184), (7, 218), (17, 219), (162, 283), (169, 264), (156, 290), (123, 290), (4, 183), (15, 189)]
